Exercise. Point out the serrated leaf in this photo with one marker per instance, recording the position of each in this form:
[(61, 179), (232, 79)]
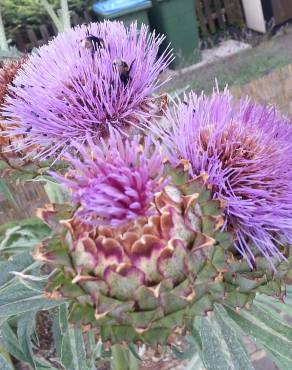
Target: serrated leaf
[(221, 346), (4, 189), (195, 363), (25, 329), (94, 350), (69, 342), (36, 283), (56, 193), (232, 339), (23, 237), (8, 340), (275, 304), (78, 348), (19, 263), (5, 361), (270, 334), (17, 299), (59, 329)]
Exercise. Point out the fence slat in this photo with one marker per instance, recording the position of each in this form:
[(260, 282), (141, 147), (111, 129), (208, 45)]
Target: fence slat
[(219, 13), (201, 17), (228, 10), (32, 38), (20, 43), (45, 33), (208, 12)]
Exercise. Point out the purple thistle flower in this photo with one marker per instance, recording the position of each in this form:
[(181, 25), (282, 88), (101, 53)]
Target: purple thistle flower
[(115, 182), (73, 87), (246, 151)]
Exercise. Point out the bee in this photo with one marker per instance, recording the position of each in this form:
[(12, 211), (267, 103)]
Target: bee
[(164, 101), (92, 43), (123, 69)]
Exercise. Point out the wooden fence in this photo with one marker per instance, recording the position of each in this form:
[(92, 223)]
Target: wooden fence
[(27, 38), (214, 15)]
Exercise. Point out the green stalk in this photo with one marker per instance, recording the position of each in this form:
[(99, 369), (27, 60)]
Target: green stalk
[(3, 40), (65, 15), (53, 15)]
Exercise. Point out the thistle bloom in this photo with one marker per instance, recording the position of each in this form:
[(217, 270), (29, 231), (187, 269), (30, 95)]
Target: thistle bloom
[(115, 183), (246, 152), (75, 86), (8, 72)]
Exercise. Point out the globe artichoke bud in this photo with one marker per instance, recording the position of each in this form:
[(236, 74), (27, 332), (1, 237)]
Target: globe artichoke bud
[(147, 278), (8, 73)]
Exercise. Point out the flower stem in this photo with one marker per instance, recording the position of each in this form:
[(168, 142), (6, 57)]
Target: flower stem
[(53, 15), (3, 40), (65, 15)]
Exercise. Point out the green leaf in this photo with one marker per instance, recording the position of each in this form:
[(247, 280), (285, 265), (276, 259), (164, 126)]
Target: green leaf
[(5, 361), (4, 189), (269, 333), (221, 346), (94, 350), (19, 263), (133, 349), (25, 329), (8, 340), (77, 349), (233, 339), (69, 342), (120, 359), (23, 237), (17, 299), (195, 363), (59, 329), (56, 192)]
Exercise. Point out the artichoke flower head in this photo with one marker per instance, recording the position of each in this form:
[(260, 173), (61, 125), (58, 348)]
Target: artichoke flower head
[(143, 251)]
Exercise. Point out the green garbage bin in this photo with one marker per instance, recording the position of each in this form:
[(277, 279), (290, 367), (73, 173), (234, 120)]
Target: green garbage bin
[(176, 19), (126, 11)]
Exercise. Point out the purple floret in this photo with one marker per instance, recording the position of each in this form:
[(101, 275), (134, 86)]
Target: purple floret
[(246, 151), (68, 89), (115, 183)]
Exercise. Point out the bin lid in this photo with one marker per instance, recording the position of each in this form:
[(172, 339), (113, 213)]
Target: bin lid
[(113, 8)]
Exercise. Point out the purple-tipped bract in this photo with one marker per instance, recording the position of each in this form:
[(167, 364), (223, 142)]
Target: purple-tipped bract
[(70, 88), (246, 151), (115, 182)]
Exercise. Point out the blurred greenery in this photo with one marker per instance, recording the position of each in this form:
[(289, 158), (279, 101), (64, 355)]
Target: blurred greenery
[(18, 13)]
